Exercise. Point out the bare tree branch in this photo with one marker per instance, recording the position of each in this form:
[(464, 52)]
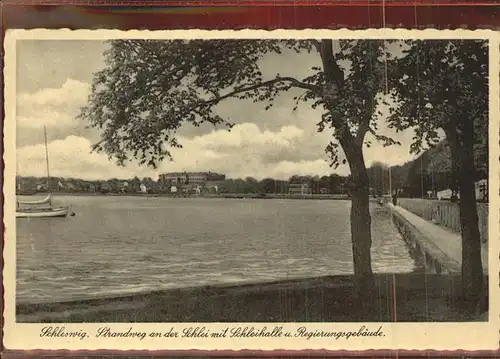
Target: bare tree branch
[(317, 45), (363, 128), (294, 82)]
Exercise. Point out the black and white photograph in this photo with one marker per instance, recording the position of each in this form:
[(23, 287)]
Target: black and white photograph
[(321, 179)]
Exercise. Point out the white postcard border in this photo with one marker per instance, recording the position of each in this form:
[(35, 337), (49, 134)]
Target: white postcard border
[(408, 336)]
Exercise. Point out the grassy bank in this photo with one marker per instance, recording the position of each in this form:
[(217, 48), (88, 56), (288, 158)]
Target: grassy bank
[(411, 297)]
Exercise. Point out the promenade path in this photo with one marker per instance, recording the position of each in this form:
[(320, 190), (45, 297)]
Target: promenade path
[(450, 243)]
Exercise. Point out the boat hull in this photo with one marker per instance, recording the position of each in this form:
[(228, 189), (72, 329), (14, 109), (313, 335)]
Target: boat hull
[(40, 201), (48, 213)]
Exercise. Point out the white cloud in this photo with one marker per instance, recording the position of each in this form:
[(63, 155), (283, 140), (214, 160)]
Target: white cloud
[(245, 151), (320, 167), (52, 107), (71, 92), (248, 134), (71, 157), (48, 118), (277, 143), (248, 151), (392, 155)]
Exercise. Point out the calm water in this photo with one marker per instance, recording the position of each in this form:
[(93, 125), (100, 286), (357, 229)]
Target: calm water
[(120, 245)]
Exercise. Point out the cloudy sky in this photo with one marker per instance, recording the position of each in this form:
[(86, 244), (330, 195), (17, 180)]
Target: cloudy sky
[(53, 81)]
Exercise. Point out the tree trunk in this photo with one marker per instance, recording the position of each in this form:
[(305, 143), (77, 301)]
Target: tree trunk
[(364, 283), (472, 269), (464, 171)]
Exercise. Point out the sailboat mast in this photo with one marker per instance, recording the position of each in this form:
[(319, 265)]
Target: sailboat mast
[(47, 159), (390, 181)]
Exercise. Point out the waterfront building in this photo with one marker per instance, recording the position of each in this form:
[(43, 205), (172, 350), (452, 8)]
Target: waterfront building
[(124, 186), (190, 179), (482, 190), (299, 188), (446, 194), (90, 187), (106, 187), (70, 186)]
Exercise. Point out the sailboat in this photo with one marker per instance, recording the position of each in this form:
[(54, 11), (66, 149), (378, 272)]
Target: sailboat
[(41, 208)]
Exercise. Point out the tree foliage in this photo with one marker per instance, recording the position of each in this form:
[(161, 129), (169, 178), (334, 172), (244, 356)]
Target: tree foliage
[(444, 85), (149, 88), (438, 82)]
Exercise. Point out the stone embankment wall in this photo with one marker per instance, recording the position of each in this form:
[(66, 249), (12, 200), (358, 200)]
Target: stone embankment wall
[(445, 213), (425, 252)]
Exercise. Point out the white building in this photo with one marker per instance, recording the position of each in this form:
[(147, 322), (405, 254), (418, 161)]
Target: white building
[(445, 194), (299, 188), (481, 191)]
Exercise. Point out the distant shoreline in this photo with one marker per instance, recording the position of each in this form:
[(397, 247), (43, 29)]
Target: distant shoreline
[(222, 196), (331, 197)]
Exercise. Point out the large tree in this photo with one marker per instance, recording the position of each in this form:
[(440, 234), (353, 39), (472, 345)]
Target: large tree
[(148, 89), (443, 85), (268, 185)]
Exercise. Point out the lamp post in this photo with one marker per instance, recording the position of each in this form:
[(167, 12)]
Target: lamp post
[(422, 174), (390, 181), (432, 177)]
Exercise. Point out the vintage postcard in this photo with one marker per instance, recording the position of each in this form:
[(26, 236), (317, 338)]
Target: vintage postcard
[(256, 190)]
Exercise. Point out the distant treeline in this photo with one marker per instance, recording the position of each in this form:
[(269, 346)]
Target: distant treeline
[(432, 171)]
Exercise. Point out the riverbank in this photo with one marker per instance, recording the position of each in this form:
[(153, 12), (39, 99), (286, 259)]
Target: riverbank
[(207, 196), (340, 197), (412, 297)]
